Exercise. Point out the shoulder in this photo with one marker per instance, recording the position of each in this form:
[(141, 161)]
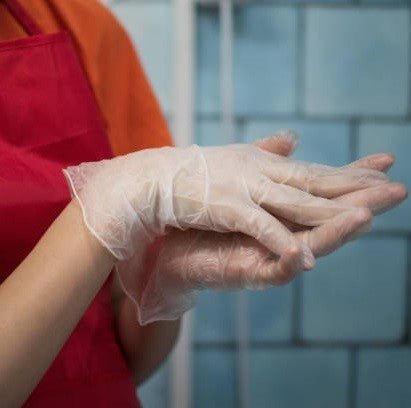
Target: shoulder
[(87, 20), (91, 18)]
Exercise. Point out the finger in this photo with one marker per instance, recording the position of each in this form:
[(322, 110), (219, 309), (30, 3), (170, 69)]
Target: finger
[(333, 234), (294, 205), (287, 268), (379, 161), (322, 181), (269, 271), (283, 143), (252, 266), (228, 261), (377, 199), (257, 223)]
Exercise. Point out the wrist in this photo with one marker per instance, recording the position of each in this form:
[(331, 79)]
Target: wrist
[(97, 250)]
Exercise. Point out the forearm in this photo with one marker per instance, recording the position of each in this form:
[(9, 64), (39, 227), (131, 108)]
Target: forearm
[(44, 298), (145, 347)]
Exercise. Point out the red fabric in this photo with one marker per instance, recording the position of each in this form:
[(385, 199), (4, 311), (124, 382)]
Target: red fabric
[(49, 119), (113, 67)]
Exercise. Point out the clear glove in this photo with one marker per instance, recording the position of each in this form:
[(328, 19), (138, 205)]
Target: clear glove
[(186, 262), (129, 201)]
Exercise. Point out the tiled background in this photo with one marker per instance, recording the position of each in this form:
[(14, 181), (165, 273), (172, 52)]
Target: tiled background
[(339, 73)]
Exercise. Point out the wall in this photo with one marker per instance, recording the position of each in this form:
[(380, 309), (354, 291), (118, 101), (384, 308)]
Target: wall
[(339, 73)]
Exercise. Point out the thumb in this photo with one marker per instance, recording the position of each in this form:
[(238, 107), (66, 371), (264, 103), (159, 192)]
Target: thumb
[(283, 142)]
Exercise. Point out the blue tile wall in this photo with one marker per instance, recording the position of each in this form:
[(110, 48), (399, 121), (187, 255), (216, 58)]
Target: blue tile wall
[(322, 142), (215, 318), (385, 2), (154, 393), (265, 59), (408, 289), (271, 313), (384, 378), (294, 377), (296, 2), (208, 60), (214, 379), (357, 61), (357, 294), (263, 81), (394, 138), (150, 27), (209, 132)]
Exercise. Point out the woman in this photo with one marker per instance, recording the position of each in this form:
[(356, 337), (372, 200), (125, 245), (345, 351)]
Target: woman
[(69, 335)]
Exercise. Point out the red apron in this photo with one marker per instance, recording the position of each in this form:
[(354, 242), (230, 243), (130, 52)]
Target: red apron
[(49, 119)]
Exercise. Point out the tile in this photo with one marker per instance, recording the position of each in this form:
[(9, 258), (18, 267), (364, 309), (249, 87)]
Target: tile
[(214, 379), (303, 1), (290, 378), (408, 290), (150, 27), (357, 293), (265, 59), (270, 314), (384, 378), (154, 392), (207, 89), (394, 138), (357, 61), (211, 132), (215, 317), (321, 142), (385, 2)]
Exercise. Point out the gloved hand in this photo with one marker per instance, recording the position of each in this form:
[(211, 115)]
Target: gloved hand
[(191, 260), (129, 201)]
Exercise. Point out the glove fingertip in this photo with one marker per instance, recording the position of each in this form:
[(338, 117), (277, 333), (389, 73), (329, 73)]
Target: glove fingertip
[(290, 135)]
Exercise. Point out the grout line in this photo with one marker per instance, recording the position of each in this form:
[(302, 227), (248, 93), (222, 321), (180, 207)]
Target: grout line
[(240, 131), (300, 60), (356, 4), (393, 233), (289, 344), (377, 119), (407, 325), (353, 139), (296, 313), (408, 62), (353, 377)]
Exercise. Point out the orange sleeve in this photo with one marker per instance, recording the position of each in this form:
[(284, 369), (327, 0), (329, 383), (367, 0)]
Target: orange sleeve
[(126, 98), (123, 92)]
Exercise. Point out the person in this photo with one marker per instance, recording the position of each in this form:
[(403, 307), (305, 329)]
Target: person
[(171, 220)]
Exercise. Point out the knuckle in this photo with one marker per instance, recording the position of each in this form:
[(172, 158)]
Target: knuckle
[(363, 215), (284, 276)]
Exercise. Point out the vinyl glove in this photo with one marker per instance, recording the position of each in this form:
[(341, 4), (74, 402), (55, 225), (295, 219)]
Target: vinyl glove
[(192, 260), (129, 201)]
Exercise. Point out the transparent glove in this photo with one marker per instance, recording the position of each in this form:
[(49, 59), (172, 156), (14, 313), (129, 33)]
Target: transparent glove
[(129, 201), (188, 261)]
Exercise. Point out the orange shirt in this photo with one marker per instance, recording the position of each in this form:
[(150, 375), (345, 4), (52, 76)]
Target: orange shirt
[(121, 87)]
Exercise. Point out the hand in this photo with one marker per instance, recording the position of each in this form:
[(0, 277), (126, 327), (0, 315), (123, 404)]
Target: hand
[(130, 200), (194, 259)]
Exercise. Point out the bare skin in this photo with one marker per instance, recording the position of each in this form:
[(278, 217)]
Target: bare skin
[(44, 298), (145, 347)]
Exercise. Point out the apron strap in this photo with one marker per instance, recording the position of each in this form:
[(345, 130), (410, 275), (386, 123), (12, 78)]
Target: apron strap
[(21, 15)]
